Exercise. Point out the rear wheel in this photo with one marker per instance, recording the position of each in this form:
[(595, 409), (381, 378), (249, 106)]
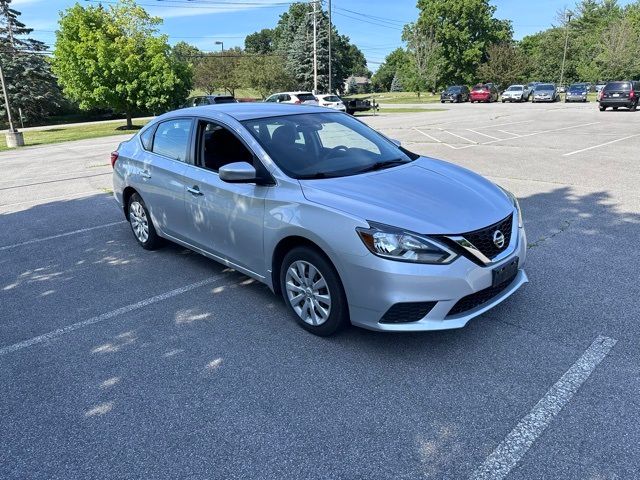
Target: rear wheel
[(633, 107), (615, 108), (313, 291), (602, 109), (141, 224)]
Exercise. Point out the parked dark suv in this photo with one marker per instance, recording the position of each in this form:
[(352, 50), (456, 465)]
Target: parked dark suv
[(619, 94), (455, 94), (209, 100)]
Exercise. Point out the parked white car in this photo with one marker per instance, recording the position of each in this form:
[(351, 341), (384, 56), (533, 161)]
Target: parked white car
[(299, 98), (331, 101), (515, 93)]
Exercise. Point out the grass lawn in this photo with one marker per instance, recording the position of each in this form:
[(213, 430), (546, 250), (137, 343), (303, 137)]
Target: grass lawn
[(67, 134), (384, 110), (400, 97)]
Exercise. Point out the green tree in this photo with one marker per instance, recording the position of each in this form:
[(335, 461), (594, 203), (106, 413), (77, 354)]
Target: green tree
[(264, 73), (422, 71), (219, 71), (114, 58), (396, 84), (31, 86), (464, 29), (506, 65), (386, 72), (260, 42)]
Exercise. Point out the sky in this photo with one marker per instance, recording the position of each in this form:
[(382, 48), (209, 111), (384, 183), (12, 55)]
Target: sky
[(205, 22)]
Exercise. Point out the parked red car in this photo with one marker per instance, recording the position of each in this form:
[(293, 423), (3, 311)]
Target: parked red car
[(484, 92)]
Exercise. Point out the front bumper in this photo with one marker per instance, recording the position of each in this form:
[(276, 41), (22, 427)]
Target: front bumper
[(576, 98), (481, 98), (543, 99), (373, 285)]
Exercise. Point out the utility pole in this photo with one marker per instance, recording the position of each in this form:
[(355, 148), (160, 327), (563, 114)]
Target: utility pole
[(566, 43), (315, 48), (330, 31)]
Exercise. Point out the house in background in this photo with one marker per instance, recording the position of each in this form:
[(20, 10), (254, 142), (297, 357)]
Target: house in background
[(354, 84)]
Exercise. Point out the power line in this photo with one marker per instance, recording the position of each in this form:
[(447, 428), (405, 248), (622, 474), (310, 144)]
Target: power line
[(368, 21), (374, 17)]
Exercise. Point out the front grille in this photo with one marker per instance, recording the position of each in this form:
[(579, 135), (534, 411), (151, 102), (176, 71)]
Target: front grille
[(476, 299), (407, 312), (483, 239)]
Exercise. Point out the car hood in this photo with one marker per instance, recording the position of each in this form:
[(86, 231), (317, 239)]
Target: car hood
[(427, 196)]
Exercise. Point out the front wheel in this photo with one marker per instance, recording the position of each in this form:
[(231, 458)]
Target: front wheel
[(602, 109), (141, 224), (313, 291)]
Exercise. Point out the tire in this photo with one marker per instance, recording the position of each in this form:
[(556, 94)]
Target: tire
[(141, 224), (471, 101), (633, 107), (441, 101), (296, 275), (602, 109), (615, 108), (350, 112), (503, 100)]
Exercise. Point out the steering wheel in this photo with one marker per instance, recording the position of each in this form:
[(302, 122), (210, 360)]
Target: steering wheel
[(337, 149)]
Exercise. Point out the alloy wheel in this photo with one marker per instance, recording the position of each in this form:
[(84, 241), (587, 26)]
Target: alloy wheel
[(139, 221), (308, 293)]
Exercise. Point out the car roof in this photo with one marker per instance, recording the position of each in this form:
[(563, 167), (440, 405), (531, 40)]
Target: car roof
[(247, 110)]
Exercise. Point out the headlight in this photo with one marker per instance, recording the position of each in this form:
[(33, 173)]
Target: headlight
[(397, 244), (516, 204)]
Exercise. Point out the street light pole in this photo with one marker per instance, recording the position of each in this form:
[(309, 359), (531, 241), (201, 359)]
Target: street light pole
[(330, 31), (218, 42), (315, 49), (566, 43), (6, 100)]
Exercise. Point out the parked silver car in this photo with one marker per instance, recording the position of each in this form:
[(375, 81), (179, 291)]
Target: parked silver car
[(341, 220), (545, 92)]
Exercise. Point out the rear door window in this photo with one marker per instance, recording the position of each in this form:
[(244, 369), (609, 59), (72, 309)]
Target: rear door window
[(224, 99), (305, 97), (172, 139)]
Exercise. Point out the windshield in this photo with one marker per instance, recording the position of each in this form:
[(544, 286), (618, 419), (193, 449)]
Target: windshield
[(331, 98), (323, 145), (478, 88), (577, 88), (545, 87), (618, 86), (227, 99), (514, 88), (453, 89)]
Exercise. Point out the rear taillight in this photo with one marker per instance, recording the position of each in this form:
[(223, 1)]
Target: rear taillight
[(297, 102), (632, 94), (114, 159)]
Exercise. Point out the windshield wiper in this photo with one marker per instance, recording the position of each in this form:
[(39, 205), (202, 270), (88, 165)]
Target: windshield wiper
[(382, 165), (317, 175)]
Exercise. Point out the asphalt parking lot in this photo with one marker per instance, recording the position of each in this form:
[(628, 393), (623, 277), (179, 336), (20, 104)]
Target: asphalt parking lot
[(116, 362)]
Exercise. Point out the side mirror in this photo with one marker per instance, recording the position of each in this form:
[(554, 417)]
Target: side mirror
[(397, 143), (238, 172)]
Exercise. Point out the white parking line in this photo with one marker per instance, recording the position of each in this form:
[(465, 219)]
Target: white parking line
[(515, 135), (482, 134), (543, 132), (601, 145), (516, 444), (107, 316), (456, 135), (433, 138), (503, 124), (60, 235)]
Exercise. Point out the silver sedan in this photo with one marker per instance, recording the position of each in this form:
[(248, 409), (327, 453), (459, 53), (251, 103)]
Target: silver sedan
[(345, 224)]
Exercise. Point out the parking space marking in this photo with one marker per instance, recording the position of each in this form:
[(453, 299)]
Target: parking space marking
[(515, 135), (108, 316), (516, 444), (503, 124), (601, 145), (60, 235), (482, 134), (433, 138), (459, 136)]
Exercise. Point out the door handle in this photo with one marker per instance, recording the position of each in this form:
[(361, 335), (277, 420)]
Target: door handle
[(195, 190), (145, 174)]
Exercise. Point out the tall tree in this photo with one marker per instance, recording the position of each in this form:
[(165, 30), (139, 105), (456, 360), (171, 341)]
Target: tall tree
[(219, 71), (31, 86), (383, 77), (464, 29), (260, 42), (422, 72), (506, 65), (114, 58)]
